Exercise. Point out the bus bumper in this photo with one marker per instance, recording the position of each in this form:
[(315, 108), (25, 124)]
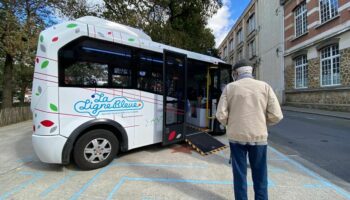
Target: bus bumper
[(49, 148)]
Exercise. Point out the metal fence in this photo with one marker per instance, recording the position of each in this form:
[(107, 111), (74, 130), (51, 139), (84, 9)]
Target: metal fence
[(14, 115)]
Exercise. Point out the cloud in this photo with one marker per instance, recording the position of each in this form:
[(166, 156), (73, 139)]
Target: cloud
[(221, 22)]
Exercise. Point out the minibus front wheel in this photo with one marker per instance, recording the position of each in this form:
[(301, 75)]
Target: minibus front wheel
[(95, 149)]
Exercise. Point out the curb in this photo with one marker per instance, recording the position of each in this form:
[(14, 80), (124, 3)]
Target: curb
[(317, 113)]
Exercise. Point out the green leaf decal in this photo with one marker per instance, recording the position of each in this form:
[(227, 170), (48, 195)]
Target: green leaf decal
[(37, 94), (53, 107), (44, 64), (131, 39), (41, 38), (72, 25)]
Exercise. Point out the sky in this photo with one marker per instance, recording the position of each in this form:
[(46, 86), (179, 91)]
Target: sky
[(225, 18)]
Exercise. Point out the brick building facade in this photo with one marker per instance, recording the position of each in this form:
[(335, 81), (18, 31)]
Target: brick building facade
[(317, 53)]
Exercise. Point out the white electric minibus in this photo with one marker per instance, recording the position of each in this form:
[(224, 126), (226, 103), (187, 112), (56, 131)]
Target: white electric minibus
[(101, 88)]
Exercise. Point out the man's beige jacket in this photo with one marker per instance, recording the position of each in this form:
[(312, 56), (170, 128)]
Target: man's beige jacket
[(247, 106)]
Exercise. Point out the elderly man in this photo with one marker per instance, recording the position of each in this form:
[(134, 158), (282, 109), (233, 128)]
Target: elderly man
[(246, 107)]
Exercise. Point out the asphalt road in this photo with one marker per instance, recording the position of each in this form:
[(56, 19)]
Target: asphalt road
[(320, 142)]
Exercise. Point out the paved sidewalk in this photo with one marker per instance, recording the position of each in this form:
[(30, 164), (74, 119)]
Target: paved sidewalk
[(343, 115), (150, 173)]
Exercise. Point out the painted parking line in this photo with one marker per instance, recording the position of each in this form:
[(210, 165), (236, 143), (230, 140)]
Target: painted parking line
[(313, 186), (26, 159), (124, 179), (35, 177), (201, 166), (171, 180), (57, 184), (87, 184), (103, 170), (276, 169), (323, 181)]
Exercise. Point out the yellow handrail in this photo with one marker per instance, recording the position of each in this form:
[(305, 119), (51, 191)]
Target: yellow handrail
[(207, 100)]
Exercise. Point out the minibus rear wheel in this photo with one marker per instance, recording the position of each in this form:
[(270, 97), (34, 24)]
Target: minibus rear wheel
[(95, 149)]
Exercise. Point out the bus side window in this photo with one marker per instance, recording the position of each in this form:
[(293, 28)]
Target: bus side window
[(86, 74), (150, 73), (121, 77), (91, 63)]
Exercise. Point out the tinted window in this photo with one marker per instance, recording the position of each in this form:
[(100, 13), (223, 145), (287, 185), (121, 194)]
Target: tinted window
[(86, 74), (90, 63), (150, 72)]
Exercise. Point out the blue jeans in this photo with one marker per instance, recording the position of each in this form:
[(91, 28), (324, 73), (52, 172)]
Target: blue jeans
[(257, 160)]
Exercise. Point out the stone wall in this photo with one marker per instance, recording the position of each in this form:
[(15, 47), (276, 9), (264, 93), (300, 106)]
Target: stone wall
[(329, 98), (345, 66), (289, 77), (314, 73)]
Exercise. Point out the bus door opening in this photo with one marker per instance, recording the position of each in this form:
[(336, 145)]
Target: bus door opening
[(218, 77), (174, 96)]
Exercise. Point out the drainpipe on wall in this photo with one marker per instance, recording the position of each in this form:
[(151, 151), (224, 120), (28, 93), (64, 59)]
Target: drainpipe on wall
[(282, 59)]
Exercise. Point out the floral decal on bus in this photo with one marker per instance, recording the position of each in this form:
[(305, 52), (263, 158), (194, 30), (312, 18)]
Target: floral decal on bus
[(99, 103)]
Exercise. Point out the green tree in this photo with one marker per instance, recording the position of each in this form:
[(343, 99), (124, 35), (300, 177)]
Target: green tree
[(10, 40), (73, 9), (22, 20), (180, 23)]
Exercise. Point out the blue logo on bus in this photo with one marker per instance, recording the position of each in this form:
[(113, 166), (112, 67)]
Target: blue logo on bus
[(99, 103)]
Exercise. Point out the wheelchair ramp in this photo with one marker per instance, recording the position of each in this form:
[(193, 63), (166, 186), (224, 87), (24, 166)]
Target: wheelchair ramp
[(204, 143)]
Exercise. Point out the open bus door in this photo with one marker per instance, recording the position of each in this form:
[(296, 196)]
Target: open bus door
[(218, 77), (174, 96)]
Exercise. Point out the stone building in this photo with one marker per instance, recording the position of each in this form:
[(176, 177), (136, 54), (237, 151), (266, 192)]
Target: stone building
[(317, 53), (258, 36)]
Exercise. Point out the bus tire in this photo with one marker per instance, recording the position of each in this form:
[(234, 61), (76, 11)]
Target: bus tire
[(95, 149)]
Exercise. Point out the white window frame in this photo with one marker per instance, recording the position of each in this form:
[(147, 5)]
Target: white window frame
[(329, 14), (301, 63), (332, 64), (252, 48), (300, 13), (225, 51), (239, 36), (230, 45), (240, 54), (251, 23)]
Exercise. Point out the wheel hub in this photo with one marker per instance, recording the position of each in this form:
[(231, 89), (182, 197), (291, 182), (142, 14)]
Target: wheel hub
[(97, 150)]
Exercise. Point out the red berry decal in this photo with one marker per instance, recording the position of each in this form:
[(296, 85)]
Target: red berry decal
[(109, 33), (55, 39), (37, 60), (172, 135), (47, 123)]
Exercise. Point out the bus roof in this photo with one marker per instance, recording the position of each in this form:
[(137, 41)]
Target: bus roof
[(144, 40)]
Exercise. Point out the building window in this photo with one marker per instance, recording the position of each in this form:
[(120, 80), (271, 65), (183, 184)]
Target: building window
[(328, 9), (251, 23), (251, 49), (239, 54), (239, 36), (300, 19), (301, 72), (230, 46), (232, 60), (225, 51), (330, 66)]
